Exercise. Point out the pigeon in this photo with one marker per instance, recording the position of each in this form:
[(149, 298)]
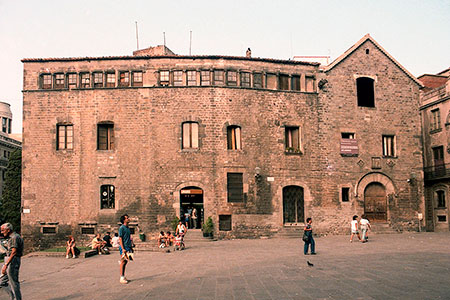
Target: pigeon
[(309, 264)]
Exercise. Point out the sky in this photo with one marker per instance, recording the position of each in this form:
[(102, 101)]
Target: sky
[(415, 32)]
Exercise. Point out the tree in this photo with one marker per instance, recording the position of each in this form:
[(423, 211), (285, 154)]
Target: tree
[(11, 203)]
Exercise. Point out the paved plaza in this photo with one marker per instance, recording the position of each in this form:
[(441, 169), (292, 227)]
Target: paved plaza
[(390, 266)]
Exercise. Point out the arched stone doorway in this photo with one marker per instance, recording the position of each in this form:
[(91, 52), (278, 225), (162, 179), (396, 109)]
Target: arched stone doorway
[(191, 203), (293, 205), (375, 202)]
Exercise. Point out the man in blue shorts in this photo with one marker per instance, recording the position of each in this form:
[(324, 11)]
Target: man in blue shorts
[(124, 246)]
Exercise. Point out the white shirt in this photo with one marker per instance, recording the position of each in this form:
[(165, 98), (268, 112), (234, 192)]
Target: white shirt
[(355, 225), (115, 241)]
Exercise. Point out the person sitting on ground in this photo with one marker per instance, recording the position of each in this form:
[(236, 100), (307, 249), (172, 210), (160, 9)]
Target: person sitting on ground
[(161, 240), (179, 244), (70, 247), (98, 244), (115, 240), (354, 227), (169, 239), (107, 239)]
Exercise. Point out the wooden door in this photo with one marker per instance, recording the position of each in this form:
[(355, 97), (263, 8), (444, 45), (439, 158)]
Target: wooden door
[(375, 203)]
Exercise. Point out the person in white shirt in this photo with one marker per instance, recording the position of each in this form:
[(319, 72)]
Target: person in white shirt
[(115, 240), (365, 226), (354, 226)]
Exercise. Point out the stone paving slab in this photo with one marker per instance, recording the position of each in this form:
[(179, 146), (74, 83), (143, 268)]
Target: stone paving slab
[(391, 266)]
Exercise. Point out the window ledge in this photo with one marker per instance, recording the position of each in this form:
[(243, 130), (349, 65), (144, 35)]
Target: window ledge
[(435, 130), (390, 157), (293, 152), (440, 208)]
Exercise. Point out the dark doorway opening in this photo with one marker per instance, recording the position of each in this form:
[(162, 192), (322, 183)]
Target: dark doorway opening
[(191, 206), (293, 205)]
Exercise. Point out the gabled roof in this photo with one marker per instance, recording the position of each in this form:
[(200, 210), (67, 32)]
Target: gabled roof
[(365, 38)]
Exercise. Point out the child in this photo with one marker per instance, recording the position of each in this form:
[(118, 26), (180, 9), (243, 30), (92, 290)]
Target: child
[(354, 226), (179, 244), (161, 240), (365, 226)]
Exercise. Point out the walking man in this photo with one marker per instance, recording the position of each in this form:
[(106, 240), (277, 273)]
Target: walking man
[(10, 269), (125, 248)]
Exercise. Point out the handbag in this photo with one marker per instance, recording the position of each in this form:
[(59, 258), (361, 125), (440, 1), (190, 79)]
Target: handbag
[(305, 237)]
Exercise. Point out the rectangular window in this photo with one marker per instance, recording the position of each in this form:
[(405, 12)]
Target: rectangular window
[(110, 79), (234, 137), (87, 230), (389, 145), (271, 81), (283, 82), (164, 77), (105, 137), (178, 78), (295, 83), (124, 78), (365, 91), (190, 135), (107, 196), (310, 84), (137, 78), (9, 126), (435, 120), (59, 81), (98, 79), (224, 222), (442, 218), (219, 78), (46, 81), (5, 124), (72, 80), (191, 78), (347, 135), (235, 187), (257, 80), (292, 139), (205, 77), (49, 230), (64, 138), (85, 80), (345, 194), (245, 79), (232, 78), (440, 195)]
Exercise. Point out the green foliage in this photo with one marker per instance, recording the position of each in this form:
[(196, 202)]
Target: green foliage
[(10, 204), (208, 227), (174, 223)]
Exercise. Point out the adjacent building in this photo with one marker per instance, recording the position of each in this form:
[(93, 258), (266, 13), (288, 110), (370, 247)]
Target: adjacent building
[(256, 144), (435, 108)]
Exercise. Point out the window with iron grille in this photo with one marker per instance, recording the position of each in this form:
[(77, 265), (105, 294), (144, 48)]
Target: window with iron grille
[(178, 78), (105, 136), (205, 77), (234, 137), (85, 80), (98, 79), (137, 78), (245, 79), (46, 81), (64, 138), (190, 135), (59, 81), (235, 187), (388, 145), (110, 79), (164, 77), (257, 80), (124, 78), (107, 196), (219, 77), (191, 78), (224, 222), (232, 78), (72, 80)]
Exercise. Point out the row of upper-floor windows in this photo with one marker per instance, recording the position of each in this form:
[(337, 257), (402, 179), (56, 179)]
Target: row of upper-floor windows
[(232, 78), (190, 139)]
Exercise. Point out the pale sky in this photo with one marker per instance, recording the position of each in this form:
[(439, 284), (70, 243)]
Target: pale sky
[(415, 32)]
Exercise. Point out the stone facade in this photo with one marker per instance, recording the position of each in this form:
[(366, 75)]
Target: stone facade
[(255, 144), (435, 106)]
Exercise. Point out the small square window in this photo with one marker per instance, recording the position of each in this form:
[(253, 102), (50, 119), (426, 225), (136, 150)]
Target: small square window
[(59, 81), (46, 81), (124, 78), (110, 79), (442, 218), (224, 222), (137, 78)]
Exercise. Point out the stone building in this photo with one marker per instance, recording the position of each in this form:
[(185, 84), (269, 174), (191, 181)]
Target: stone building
[(256, 144), (8, 142), (435, 113)]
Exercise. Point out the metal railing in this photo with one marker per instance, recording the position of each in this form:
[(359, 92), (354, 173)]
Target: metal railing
[(437, 172)]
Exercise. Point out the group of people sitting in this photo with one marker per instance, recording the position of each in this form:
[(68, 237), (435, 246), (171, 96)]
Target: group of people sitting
[(101, 245), (167, 240)]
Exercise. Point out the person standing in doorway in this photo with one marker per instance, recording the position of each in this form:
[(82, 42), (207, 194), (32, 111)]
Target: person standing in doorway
[(194, 218), (310, 240), (10, 269), (125, 248)]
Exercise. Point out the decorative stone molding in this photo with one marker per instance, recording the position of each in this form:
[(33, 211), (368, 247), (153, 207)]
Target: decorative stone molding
[(374, 177)]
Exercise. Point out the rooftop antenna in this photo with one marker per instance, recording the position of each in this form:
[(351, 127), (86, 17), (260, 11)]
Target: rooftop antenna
[(137, 36), (164, 34), (190, 43)]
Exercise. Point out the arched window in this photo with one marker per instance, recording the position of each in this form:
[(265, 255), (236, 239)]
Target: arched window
[(190, 135), (365, 91), (234, 137), (107, 196)]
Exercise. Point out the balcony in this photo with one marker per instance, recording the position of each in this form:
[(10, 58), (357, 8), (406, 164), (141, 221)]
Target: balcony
[(437, 172)]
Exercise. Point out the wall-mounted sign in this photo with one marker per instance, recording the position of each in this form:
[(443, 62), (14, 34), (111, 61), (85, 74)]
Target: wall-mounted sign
[(349, 147)]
